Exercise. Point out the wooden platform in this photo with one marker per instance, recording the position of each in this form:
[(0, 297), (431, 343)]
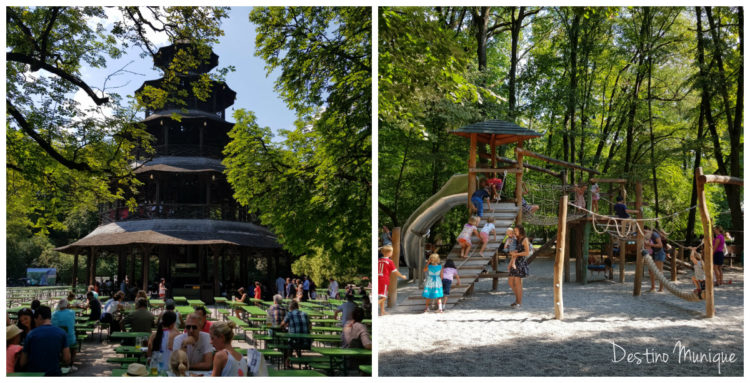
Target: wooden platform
[(471, 269)]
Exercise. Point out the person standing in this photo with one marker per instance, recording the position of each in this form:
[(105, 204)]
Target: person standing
[(517, 267), (655, 247), (279, 285), (719, 244), (43, 344), (333, 289), (162, 289), (65, 319), (385, 268)]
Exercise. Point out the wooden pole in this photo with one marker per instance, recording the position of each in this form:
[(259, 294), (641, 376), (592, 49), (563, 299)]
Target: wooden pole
[(495, 279), (562, 218), (132, 268), (393, 286), (586, 235), (216, 250), (623, 254), (674, 264), (144, 266), (519, 183), (610, 256), (472, 176), (639, 241), (75, 268), (91, 265), (566, 248), (558, 162), (708, 255), (494, 157)]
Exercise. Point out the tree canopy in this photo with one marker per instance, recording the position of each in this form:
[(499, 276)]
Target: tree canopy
[(312, 188)]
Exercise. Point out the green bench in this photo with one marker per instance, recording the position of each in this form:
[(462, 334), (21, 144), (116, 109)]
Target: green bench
[(124, 360)]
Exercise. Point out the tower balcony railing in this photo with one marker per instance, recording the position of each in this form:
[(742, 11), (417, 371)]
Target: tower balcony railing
[(184, 150), (222, 212)]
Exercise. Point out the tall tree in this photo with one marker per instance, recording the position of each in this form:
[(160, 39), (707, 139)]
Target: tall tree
[(313, 188)]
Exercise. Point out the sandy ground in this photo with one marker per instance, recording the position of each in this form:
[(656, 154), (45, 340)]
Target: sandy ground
[(606, 332)]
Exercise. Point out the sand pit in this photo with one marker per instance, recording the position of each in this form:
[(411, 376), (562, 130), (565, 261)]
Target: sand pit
[(606, 332)]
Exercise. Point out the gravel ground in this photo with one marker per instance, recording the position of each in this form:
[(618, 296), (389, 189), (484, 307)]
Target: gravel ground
[(606, 332)]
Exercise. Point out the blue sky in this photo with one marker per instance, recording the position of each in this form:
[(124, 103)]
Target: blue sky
[(255, 91)]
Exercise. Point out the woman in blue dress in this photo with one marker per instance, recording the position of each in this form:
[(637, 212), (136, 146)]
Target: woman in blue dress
[(433, 287)]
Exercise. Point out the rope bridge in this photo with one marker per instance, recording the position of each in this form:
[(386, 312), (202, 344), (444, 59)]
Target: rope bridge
[(687, 295)]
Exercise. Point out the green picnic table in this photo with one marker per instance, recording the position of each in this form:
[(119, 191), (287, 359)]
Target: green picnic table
[(220, 300), (324, 321), (184, 310), (236, 303), (311, 305), (312, 313), (180, 300), (156, 302), (195, 302), (367, 369), (254, 310), (327, 329), (342, 353), (294, 373), (25, 374)]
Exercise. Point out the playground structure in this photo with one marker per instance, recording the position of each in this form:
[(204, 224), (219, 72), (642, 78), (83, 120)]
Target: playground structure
[(573, 231)]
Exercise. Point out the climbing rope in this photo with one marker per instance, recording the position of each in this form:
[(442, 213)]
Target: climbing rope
[(687, 295)]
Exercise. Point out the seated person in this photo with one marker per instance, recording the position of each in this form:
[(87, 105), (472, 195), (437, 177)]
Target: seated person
[(354, 333), (621, 211), (203, 315), (169, 307), (43, 344), (12, 347), (111, 308), (195, 343), (345, 309), (297, 322), (94, 305), (276, 313), (140, 320)]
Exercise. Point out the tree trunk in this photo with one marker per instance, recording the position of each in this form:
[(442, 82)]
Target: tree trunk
[(481, 21), (636, 88), (653, 144), (515, 31), (689, 231)]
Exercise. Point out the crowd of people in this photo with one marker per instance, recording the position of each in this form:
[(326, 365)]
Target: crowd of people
[(39, 332)]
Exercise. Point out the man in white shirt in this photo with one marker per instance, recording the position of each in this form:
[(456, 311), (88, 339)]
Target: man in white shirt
[(196, 344)]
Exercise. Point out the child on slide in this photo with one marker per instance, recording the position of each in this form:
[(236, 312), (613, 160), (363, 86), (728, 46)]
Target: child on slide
[(464, 239), (699, 276), (484, 235), (433, 287)]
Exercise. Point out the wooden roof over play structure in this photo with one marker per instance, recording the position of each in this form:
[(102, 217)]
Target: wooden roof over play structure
[(497, 132)]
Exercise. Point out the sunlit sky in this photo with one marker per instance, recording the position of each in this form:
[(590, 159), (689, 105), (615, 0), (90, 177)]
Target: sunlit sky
[(255, 91)]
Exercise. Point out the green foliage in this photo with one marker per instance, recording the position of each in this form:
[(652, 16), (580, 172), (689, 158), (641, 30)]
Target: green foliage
[(312, 188)]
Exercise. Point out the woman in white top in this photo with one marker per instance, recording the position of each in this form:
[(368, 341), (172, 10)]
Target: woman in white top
[(163, 339), (227, 361)]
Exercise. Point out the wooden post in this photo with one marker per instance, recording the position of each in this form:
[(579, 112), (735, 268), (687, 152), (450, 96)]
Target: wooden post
[(566, 249), (216, 250), (495, 279), (585, 245), (92, 265), (562, 218), (639, 241), (576, 247), (623, 254), (144, 265), (121, 267), (610, 256), (708, 254), (674, 264), (472, 176), (493, 149), (519, 183), (396, 258), (132, 268), (75, 269)]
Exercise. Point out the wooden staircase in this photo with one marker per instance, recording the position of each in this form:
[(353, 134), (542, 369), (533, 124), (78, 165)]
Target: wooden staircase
[(470, 269)]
